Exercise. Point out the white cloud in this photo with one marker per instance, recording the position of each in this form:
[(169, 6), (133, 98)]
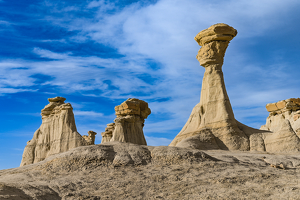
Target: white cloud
[(163, 33), (156, 141), (88, 113), (49, 54)]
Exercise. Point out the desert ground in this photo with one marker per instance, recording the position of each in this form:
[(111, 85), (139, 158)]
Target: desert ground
[(128, 171)]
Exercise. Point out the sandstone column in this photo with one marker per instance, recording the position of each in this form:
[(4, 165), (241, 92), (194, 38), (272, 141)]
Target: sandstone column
[(129, 123), (212, 120), (58, 132)]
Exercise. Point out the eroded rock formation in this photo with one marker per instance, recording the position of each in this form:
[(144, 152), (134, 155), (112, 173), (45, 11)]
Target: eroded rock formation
[(90, 138), (107, 134), (283, 110), (57, 133), (212, 120), (284, 122), (128, 126), (212, 124)]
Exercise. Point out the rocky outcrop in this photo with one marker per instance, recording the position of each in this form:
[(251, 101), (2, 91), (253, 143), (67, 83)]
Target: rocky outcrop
[(90, 139), (128, 126), (212, 120), (107, 134), (284, 122), (117, 170), (212, 124), (57, 133), (280, 111)]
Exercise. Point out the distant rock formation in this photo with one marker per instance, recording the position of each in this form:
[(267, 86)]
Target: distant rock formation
[(90, 139), (57, 133), (107, 134), (212, 120), (128, 126)]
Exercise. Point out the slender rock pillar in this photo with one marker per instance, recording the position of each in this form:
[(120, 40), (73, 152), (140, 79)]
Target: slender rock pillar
[(212, 124)]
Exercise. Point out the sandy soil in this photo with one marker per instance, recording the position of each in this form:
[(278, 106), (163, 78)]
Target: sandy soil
[(127, 171)]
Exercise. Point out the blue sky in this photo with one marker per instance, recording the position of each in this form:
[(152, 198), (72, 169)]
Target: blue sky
[(98, 53)]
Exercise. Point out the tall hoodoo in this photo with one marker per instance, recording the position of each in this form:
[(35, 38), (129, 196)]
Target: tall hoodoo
[(128, 126), (212, 119), (58, 132)]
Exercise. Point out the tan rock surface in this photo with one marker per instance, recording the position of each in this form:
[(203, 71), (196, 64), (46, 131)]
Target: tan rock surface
[(127, 171), (90, 138), (128, 126), (57, 133), (107, 134), (214, 111), (283, 121)]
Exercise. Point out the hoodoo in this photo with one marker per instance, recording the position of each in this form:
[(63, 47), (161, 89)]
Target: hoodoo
[(212, 124), (58, 133), (129, 123)]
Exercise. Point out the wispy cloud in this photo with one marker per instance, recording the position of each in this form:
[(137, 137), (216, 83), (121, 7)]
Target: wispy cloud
[(88, 113), (154, 56), (156, 141)]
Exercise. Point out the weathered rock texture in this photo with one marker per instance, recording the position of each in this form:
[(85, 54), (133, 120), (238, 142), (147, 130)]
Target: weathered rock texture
[(117, 170), (284, 122), (128, 126), (90, 139), (283, 110), (107, 134), (212, 124), (57, 133)]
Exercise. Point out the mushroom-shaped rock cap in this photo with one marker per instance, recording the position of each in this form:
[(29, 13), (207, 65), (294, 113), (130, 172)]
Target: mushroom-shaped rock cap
[(219, 31), (56, 99)]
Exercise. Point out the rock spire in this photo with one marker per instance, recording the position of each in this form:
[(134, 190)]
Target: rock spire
[(58, 132), (213, 119), (212, 124), (129, 123)]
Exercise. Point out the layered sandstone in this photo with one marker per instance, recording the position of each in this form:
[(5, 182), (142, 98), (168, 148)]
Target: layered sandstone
[(128, 171), (284, 122), (90, 138), (280, 111), (58, 132), (212, 124), (212, 121), (129, 123), (107, 134)]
